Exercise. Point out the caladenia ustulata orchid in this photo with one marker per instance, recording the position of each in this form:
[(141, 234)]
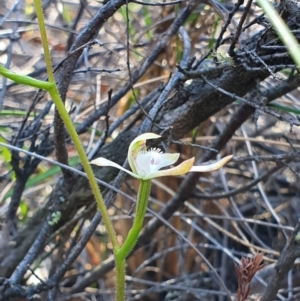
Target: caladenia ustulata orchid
[(146, 165)]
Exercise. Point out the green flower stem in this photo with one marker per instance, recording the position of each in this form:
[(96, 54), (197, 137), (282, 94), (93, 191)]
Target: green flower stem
[(71, 130), (141, 207), (131, 239), (40, 16), (86, 166), (120, 279)]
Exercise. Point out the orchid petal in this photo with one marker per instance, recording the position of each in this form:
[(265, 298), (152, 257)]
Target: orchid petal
[(211, 167), (105, 162), (178, 170), (138, 145)]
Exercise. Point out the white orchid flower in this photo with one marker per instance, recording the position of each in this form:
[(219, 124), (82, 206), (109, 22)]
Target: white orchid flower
[(146, 164)]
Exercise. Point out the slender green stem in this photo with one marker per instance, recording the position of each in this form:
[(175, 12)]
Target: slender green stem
[(120, 279), (141, 207), (131, 239), (86, 166), (40, 16), (70, 127), (24, 80)]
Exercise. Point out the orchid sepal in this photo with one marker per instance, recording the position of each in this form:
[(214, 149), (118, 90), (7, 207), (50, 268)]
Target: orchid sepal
[(211, 166), (105, 162)]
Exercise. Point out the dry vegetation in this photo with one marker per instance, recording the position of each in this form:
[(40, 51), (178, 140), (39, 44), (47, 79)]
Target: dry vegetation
[(124, 69)]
